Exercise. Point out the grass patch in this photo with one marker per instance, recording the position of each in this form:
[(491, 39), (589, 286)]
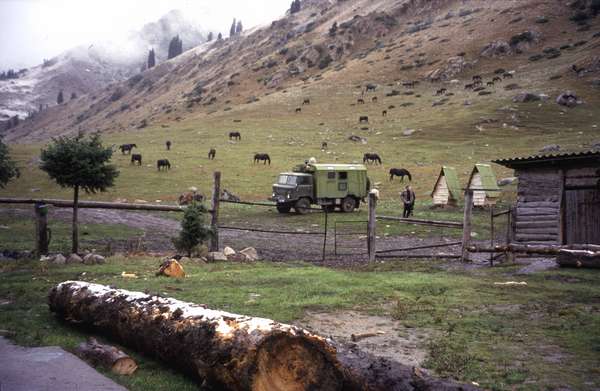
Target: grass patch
[(531, 337)]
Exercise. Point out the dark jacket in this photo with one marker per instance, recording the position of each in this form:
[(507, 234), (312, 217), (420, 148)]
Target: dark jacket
[(408, 197)]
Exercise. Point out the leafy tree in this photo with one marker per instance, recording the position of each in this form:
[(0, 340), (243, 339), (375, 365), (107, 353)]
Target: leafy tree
[(8, 168), (333, 29), (209, 37), (193, 230), (175, 47), (151, 58), (60, 99), (232, 29), (238, 28), (79, 163)]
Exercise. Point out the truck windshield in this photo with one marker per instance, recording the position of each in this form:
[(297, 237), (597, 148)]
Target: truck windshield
[(288, 180)]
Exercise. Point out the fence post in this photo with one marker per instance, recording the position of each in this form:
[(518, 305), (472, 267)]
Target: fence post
[(214, 220), (371, 227), (41, 225), (467, 224)]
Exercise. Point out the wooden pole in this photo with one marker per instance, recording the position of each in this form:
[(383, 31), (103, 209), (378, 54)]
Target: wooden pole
[(214, 221), (75, 244), (492, 233), (371, 227), (466, 239), (41, 224), (324, 235)]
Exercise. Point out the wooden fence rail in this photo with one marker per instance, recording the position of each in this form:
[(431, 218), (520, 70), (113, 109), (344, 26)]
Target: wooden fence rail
[(93, 204)]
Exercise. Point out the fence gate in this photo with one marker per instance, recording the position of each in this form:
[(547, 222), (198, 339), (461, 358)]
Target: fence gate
[(350, 238), (500, 232)]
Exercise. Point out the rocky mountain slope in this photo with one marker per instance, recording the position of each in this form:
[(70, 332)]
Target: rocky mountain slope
[(542, 44), (85, 69)]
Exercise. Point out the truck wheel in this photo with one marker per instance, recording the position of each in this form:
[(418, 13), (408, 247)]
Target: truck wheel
[(284, 208), (302, 206), (348, 205)]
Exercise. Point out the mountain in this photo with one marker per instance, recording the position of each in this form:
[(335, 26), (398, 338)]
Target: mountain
[(547, 47), (85, 69)]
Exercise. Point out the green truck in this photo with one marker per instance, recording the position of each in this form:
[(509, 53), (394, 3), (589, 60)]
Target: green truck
[(332, 186)]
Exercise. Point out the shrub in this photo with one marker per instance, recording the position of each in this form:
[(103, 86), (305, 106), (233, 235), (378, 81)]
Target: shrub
[(193, 230)]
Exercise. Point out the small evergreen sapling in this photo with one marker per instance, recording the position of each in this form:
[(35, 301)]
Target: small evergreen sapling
[(193, 230)]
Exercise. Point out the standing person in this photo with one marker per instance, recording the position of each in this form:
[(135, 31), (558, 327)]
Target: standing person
[(408, 199)]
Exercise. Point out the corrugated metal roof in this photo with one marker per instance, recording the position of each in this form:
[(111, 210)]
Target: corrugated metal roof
[(488, 179), (550, 157)]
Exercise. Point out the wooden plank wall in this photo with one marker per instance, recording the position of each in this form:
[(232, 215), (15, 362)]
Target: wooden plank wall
[(538, 217)]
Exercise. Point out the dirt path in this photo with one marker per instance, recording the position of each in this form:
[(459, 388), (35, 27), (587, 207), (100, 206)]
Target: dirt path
[(158, 231)]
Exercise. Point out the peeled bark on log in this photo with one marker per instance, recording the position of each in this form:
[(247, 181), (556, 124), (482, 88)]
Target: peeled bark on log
[(108, 356), (229, 351), (171, 268), (578, 258)]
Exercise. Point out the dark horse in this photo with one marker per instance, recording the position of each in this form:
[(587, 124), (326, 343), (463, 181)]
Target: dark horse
[(163, 163), (401, 172), (212, 153), (136, 158), (126, 148), (306, 101), (235, 135), (168, 144), (371, 157), (262, 156)]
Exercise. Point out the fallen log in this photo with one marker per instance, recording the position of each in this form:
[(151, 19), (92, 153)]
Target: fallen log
[(107, 356), (578, 258), (229, 351)]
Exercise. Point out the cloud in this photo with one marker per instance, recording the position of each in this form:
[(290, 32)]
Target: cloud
[(37, 29)]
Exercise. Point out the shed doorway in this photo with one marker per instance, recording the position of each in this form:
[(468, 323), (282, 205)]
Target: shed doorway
[(582, 216)]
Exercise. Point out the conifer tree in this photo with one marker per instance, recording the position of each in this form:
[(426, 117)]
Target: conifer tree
[(60, 99), (175, 47), (239, 28), (151, 58), (209, 37), (8, 168), (193, 230), (219, 37), (232, 29)]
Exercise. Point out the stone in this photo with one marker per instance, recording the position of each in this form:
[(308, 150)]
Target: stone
[(171, 268), (99, 259), (497, 49), (550, 148), (199, 260), (184, 259), (507, 181), (216, 256), (568, 99), (88, 259), (250, 253), (526, 97), (59, 259), (228, 251), (74, 258), (408, 132), (237, 257)]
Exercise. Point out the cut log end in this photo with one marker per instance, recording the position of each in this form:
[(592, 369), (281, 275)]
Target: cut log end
[(108, 356), (124, 366), (294, 364)]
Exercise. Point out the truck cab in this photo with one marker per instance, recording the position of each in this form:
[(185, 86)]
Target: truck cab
[(331, 186)]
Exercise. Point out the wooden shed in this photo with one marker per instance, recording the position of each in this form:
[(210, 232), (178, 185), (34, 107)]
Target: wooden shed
[(558, 198), (446, 190), (483, 182)]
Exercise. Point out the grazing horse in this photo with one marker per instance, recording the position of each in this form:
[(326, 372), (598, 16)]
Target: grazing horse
[(306, 101), (489, 84), (324, 146), (371, 87), (163, 163), (468, 86), (384, 113), (476, 77), (477, 83), (136, 158), (441, 91), (126, 148), (360, 101), (401, 172), (168, 144), (235, 135), (211, 153), (495, 79), (298, 109), (374, 99), (371, 158), (262, 156), (363, 118), (408, 84), (507, 75)]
